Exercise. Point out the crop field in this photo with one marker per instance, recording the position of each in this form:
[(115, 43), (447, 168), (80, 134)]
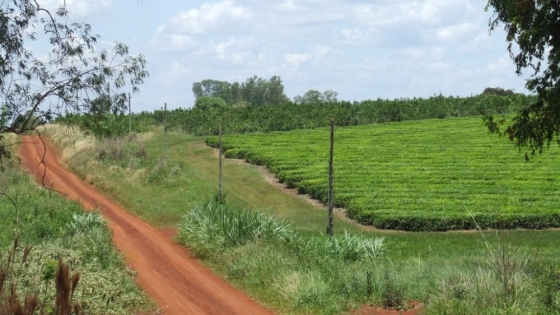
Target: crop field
[(429, 175)]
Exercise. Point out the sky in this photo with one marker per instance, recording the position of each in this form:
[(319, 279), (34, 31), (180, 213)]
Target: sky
[(361, 49)]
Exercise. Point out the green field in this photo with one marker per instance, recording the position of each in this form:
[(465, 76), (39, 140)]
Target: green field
[(417, 175), (451, 273)]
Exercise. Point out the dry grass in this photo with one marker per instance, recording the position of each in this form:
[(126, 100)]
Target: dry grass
[(76, 146), (70, 140)]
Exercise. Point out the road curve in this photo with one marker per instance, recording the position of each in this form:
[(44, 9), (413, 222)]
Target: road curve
[(177, 283)]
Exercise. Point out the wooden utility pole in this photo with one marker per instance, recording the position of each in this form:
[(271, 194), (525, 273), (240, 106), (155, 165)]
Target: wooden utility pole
[(129, 115), (220, 159), (165, 131), (330, 230)]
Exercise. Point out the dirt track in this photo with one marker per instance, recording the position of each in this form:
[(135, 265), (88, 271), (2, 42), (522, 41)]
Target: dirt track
[(178, 283)]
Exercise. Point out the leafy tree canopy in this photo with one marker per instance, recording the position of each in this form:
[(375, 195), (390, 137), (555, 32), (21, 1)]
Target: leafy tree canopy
[(209, 102), (533, 34), (254, 91), (498, 91), (76, 77), (314, 97)]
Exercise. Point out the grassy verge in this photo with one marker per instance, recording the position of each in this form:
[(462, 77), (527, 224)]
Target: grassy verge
[(441, 269), (52, 233), (295, 273)]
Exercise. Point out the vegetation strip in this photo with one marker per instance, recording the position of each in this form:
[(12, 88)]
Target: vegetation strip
[(430, 175), (56, 239), (450, 273)]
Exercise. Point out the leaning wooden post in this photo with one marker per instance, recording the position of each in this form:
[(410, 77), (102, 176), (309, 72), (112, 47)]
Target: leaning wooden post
[(330, 230), (220, 159)]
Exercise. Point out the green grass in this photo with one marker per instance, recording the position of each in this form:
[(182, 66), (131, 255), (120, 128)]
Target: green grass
[(164, 203), (162, 190), (419, 266), (420, 175), (59, 229)]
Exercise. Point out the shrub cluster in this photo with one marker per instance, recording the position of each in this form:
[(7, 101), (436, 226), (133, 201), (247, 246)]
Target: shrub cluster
[(292, 116), (106, 125), (415, 223)]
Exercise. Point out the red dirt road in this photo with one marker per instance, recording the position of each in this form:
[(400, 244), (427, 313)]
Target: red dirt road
[(179, 284)]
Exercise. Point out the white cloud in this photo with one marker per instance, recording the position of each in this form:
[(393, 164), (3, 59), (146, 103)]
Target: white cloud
[(413, 53), (235, 51), (501, 64), (180, 31), (316, 54), (455, 33), (209, 18), (296, 59)]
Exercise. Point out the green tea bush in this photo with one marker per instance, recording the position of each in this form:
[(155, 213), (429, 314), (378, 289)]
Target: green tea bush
[(429, 175)]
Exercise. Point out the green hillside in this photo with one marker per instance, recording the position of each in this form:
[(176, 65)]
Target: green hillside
[(416, 175)]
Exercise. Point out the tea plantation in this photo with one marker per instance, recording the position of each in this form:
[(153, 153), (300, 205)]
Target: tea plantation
[(430, 175)]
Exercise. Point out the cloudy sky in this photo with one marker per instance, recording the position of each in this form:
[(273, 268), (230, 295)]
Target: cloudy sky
[(361, 49)]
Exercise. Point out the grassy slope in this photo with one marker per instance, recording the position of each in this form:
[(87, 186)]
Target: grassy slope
[(44, 219), (195, 181), (417, 261)]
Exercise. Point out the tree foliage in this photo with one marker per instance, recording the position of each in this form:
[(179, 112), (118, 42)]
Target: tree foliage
[(314, 97), (75, 78), (254, 91), (289, 116), (533, 35), (208, 102), (498, 91)]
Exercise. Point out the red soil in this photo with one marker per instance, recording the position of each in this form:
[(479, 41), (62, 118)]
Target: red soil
[(177, 283)]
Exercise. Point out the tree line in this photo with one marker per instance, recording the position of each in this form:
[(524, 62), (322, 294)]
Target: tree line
[(255, 91), (290, 115)]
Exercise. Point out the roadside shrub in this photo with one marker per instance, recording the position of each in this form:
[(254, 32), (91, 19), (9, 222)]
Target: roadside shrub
[(85, 222), (164, 171), (213, 226), (128, 151), (308, 292)]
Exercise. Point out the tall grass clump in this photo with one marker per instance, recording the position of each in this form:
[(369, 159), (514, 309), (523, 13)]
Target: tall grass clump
[(127, 151), (348, 246), (313, 275), (504, 282), (216, 226)]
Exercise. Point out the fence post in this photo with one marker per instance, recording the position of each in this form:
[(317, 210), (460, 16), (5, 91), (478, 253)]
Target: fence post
[(220, 159), (165, 131), (129, 115), (330, 230)]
